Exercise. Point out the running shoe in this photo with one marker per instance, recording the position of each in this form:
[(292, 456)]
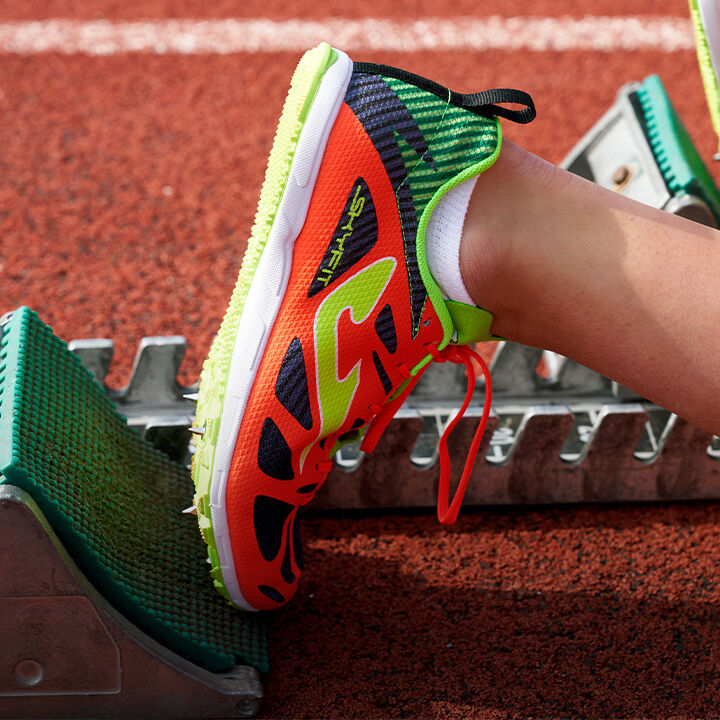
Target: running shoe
[(706, 23), (335, 313)]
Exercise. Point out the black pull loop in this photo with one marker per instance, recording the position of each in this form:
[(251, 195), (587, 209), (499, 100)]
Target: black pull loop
[(488, 103)]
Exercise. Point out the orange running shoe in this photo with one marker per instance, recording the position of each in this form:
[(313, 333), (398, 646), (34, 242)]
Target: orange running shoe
[(335, 313)]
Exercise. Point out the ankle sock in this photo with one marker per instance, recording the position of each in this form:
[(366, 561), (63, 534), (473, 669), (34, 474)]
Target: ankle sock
[(442, 241)]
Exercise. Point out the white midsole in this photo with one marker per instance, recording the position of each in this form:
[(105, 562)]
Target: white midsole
[(265, 296)]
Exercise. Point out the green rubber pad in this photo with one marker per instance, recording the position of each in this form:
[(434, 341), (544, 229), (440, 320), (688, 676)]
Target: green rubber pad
[(682, 168), (114, 501)]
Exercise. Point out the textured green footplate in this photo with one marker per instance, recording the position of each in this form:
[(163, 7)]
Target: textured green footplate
[(214, 377), (114, 501)]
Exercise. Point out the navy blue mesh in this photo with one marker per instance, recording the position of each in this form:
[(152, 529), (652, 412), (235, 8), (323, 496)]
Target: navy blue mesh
[(382, 373), (354, 237), (269, 517), (274, 455), (385, 118), (291, 386), (385, 329)]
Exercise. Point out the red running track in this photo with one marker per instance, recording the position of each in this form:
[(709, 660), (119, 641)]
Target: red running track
[(130, 182), (127, 188), (137, 9)]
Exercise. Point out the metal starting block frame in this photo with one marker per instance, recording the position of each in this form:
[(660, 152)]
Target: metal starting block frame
[(616, 154), (76, 656), (552, 438)]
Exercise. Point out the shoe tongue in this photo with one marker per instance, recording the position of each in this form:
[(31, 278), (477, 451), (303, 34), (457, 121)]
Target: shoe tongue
[(472, 324)]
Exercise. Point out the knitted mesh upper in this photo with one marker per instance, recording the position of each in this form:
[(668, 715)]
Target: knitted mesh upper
[(424, 142), (455, 138)]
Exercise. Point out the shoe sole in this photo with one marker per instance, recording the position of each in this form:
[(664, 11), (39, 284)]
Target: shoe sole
[(313, 101)]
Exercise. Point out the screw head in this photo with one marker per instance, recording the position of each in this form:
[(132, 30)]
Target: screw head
[(29, 673), (621, 175), (247, 707)]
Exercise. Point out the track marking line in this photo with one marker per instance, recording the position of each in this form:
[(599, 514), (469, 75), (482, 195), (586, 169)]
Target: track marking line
[(258, 35)]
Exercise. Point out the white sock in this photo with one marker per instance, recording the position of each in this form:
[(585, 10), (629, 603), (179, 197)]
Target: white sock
[(442, 241)]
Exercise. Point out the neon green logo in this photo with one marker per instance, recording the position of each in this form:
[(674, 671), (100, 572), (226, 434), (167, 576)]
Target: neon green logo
[(354, 211), (359, 294)]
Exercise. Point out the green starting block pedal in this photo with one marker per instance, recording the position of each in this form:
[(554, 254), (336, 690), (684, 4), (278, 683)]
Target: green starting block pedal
[(112, 506), (641, 149)]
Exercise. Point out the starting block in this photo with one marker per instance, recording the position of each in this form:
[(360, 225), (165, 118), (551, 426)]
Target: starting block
[(641, 149), (108, 610)]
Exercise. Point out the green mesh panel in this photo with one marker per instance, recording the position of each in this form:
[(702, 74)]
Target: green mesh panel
[(455, 137), (114, 501)]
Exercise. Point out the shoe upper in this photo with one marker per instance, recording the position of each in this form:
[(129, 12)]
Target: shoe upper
[(426, 145)]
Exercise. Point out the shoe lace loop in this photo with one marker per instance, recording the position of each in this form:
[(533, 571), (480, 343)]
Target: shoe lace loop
[(487, 103), (447, 511)]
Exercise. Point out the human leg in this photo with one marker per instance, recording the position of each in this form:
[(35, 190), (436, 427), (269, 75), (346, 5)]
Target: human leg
[(628, 290)]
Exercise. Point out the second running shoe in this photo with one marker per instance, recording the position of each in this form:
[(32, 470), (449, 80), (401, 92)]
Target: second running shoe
[(335, 313), (705, 15)]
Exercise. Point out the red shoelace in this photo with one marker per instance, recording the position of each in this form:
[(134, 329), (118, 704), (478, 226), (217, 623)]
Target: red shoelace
[(447, 511)]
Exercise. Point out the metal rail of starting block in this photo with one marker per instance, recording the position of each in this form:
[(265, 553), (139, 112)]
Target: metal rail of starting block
[(557, 437)]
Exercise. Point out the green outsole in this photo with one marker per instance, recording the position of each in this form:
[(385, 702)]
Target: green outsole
[(113, 500), (214, 377)]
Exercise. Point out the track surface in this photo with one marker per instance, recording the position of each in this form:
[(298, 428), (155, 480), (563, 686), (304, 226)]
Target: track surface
[(128, 184), (136, 9)]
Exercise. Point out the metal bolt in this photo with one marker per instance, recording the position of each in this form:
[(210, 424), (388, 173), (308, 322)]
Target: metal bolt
[(247, 707), (29, 673), (621, 175)]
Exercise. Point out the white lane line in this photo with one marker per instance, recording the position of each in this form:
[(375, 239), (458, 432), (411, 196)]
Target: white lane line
[(222, 36)]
